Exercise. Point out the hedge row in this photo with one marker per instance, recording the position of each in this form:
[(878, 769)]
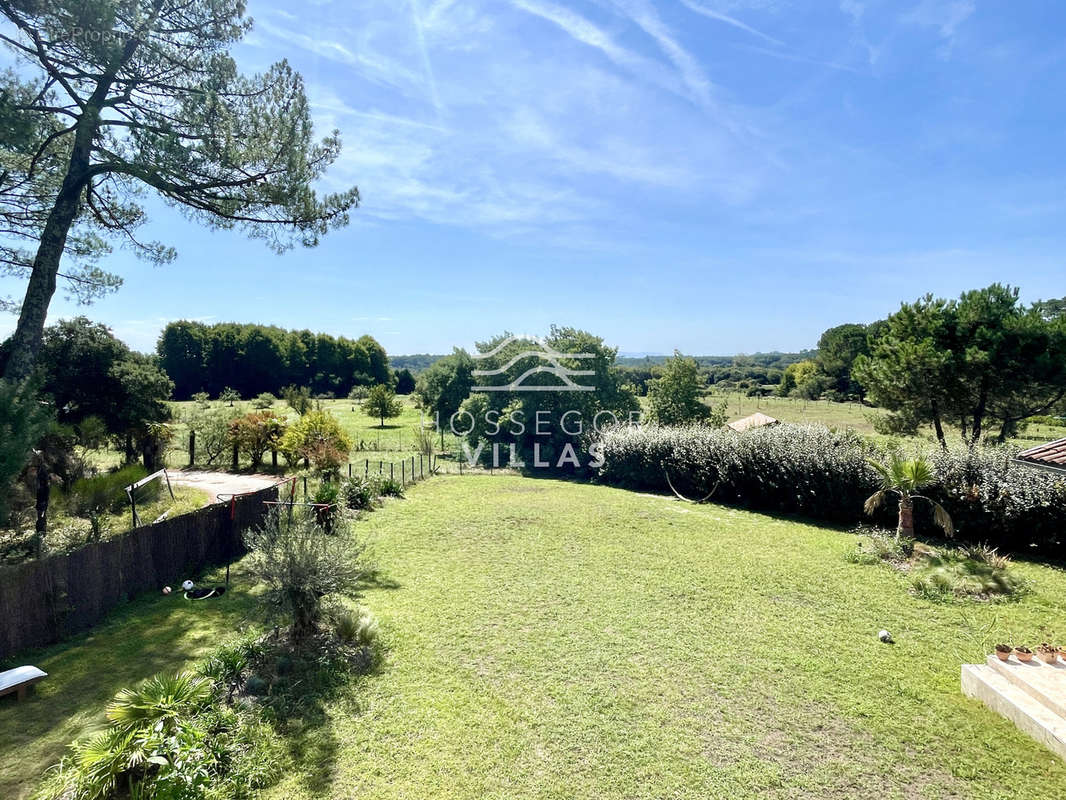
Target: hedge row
[(816, 472)]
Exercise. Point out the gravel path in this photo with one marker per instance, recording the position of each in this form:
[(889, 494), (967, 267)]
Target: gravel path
[(224, 483)]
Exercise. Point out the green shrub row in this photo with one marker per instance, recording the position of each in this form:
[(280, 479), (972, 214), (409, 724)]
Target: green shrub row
[(820, 473)]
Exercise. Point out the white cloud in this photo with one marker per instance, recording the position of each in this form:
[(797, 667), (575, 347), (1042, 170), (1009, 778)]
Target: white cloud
[(946, 17), (706, 11)]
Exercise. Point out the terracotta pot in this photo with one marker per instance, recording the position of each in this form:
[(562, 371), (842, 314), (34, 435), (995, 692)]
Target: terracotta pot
[(1047, 657), (1023, 657), (1002, 656)]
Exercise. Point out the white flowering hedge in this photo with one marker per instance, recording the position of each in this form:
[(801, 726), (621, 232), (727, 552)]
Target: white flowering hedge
[(816, 472)]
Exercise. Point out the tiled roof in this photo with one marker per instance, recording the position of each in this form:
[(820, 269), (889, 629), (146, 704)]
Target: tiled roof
[(1052, 454), (756, 420)]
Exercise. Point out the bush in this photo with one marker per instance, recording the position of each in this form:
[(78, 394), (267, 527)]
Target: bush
[(264, 401), (298, 398), (211, 427), (823, 474), (359, 493), (256, 433), (956, 573), (318, 438), (93, 497), (788, 468), (357, 627), (300, 565), (387, 487), (170, 737)]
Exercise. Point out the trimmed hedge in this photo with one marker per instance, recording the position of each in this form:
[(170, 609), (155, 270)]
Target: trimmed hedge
[(820, 473), (45, 600)]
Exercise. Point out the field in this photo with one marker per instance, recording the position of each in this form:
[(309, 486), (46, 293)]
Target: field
[(396, 440), (371, 442), (558, 640), (849, 416)]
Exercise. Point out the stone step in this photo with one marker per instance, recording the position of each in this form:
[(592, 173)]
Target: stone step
[(1032, 717), (1044, 682)]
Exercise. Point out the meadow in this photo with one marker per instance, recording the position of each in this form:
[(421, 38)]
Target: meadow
[(553, 639)]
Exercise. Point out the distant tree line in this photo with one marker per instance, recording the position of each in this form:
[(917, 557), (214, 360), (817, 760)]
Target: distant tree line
[(252, 359)]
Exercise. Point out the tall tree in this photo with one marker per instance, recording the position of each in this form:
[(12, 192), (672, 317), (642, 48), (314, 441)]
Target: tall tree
[(116, 95), (978, 361), (838, 348), (674, 397)]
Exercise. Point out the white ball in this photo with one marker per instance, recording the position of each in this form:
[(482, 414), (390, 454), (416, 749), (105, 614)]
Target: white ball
[(166, 590), (187, 585), (884, 636)]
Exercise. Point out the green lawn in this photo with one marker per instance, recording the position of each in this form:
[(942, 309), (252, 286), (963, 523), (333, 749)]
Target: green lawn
[(553, 639)]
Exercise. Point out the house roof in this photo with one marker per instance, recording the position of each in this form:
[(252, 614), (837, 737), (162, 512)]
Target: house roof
[(1051, 455), (756, 420)]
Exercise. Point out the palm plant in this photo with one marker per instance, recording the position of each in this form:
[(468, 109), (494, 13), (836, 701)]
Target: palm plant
[(905, 478), (162, 701)]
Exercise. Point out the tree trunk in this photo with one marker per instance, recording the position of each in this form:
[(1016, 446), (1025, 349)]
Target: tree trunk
[(938, 426), (979, 413), (905, 528), (26, 341)]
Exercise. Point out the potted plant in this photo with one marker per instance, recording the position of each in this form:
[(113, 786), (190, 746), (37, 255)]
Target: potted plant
[(1003, 651), (1047, 652), (1024, 653), (1062, 653)]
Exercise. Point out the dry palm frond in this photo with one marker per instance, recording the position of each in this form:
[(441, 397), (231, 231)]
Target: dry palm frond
[(874, 502)]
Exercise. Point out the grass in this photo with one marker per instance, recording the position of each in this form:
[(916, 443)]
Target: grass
[(371, 442), (155, 633), (850, 416), (552, 639)]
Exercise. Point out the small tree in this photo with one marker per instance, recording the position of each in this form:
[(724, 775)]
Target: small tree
[(674, 398), (256, 433), (298, 398), (211, 426), (230, 396), (301, 566), (382, 403), (905, 478), (318, 439), (264, 401)]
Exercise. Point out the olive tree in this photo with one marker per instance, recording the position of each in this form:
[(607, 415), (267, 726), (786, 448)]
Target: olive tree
[(114, 96)]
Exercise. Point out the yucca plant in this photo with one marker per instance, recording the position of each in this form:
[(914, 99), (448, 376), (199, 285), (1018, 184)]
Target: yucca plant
[(161, 700), (905, 478)]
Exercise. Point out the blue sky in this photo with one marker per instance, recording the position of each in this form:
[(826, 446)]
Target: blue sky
[(716, 176)]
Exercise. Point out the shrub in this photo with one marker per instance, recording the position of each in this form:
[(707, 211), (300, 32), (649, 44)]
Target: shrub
[(256, 433), (317, 437), (955, 574), (357, 627), (358, 493), (824, 474), (211, 427), (789, 468), (264, 401), (168, 738), (93, 497), (387, 487), (876, 546), (300, 565), (298, 398)]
